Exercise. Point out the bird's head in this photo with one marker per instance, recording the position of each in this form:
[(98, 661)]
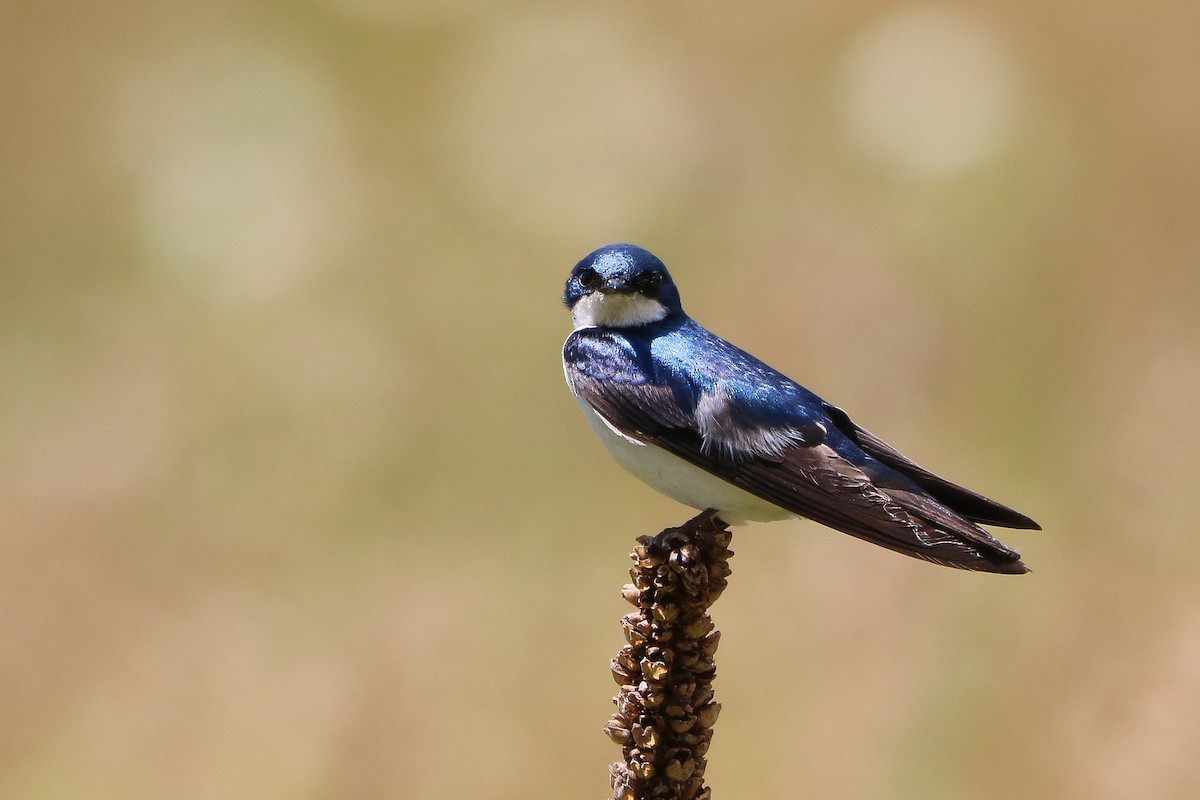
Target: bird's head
[(620, 286)]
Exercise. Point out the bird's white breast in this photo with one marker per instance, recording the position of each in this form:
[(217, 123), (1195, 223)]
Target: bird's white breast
[(679, 479)]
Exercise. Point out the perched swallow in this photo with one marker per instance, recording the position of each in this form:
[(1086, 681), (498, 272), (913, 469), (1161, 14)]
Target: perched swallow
[(713, 427)]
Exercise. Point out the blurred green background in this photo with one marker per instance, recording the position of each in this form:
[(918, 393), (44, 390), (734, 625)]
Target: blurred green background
[(294, 502)]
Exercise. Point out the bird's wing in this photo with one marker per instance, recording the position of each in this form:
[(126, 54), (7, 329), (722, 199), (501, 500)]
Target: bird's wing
[(818, 482), (797, 469), (964, 502)]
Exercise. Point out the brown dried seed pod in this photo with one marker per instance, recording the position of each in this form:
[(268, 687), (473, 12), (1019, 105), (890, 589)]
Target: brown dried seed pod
[(633, 618), (652, 696), (646, 736), (679, 771), (707, 715), (642, 769), (664, 613), (617, 731), (657, 652), (654, 670), (720, 565), (689, 553), (622, 781), (682, 724), (629, 705), (621, 675)]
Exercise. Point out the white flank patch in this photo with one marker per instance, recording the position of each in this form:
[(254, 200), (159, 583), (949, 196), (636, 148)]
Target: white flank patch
[(600, 310), (722, 433), (680, 480)]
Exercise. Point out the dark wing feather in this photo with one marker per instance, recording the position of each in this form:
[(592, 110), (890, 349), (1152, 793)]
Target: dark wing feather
[(818, 483), (962, 501)]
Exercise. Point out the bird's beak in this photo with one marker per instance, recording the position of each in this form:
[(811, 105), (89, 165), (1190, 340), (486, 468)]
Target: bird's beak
[(615, 286)]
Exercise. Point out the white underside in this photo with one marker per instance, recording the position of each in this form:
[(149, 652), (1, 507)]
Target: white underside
[(679, 479)]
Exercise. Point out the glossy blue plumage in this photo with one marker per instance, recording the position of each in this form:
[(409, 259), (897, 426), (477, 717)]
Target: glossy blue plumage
[(711, 425)]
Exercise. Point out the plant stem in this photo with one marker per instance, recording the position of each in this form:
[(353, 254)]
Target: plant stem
[(665, 708)]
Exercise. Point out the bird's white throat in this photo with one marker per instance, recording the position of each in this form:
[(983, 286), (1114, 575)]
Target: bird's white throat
[(600, 310)]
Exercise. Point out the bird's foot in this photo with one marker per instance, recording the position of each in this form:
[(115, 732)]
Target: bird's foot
[(704, 528)]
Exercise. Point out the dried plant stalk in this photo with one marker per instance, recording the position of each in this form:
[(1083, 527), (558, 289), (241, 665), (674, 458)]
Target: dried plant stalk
[(665, 708)]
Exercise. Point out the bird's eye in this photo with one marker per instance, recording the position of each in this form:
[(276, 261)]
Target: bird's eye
[(649, 282), (588, 278)]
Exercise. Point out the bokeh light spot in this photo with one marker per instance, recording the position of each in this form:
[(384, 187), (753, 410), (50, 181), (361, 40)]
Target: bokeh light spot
[(929, 89), (238, 153)]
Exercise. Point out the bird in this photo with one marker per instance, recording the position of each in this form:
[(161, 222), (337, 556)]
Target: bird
[(714, 428)]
